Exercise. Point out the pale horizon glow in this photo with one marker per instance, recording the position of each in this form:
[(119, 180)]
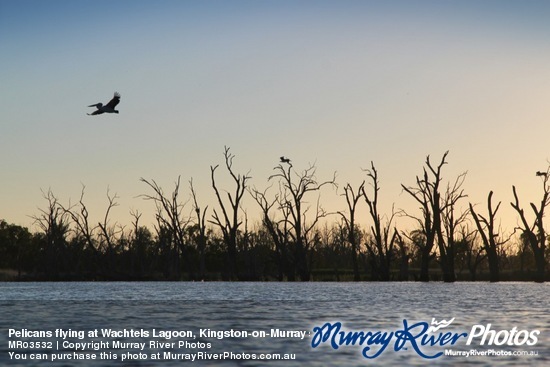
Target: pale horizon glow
[(335, 83)]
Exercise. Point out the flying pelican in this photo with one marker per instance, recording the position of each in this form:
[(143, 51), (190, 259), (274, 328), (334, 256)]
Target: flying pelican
[(108, 108), (285, 160)]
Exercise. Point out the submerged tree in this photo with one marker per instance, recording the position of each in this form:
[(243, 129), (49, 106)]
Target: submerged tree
[(470, 253), (79, 215), (384, 236), (200, 234), (352, 233), (141, 246), (535, 232), (171, 222), (54, 223), (451, 223), (288, 244), (279, 231), (427, 194), (110, 235), (229, 221), (490, 236), (439, 221), (300, 221), (404, 258)]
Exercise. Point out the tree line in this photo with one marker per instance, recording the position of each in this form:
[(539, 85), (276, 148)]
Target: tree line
[(295, 239)]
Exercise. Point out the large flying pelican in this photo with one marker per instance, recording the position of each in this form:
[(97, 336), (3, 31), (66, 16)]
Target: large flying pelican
[(108, 108)]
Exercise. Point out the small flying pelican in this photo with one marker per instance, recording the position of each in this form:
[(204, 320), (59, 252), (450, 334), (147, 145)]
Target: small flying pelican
[(108, 108), (285, 160)]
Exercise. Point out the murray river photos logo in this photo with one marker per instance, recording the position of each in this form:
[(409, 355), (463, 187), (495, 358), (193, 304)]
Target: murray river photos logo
[(427, 340)]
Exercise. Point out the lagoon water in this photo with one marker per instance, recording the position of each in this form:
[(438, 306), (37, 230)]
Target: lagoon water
[(220, 306)]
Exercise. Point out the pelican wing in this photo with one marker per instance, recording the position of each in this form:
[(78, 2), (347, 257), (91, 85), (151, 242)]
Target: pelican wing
[(113, 102)]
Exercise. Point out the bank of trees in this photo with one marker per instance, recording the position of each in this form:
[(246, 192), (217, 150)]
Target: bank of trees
[(295, 238)]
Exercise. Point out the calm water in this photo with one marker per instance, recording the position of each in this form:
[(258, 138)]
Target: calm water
[(175, 306)]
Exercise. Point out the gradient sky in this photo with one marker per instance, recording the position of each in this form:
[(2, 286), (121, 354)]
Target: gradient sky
[(338, 83)]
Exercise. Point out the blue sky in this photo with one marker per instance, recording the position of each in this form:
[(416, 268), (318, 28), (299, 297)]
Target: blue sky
[(338, 83)]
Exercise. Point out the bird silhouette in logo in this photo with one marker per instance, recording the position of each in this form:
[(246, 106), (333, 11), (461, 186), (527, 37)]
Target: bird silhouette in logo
[(439, 325), (108, 108)]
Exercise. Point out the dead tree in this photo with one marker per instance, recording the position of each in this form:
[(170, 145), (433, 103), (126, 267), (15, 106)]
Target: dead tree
[(427, 194), (140, 246), (54, 223), (85, 240), (490, 236), (381, 247), (171, 220), (535, 233), (352, 235), (404, 258), (292, 200), (229, 221), (278, 230), (108, 233), (79, 215), (470, 253), (451, 222), (201, 231)]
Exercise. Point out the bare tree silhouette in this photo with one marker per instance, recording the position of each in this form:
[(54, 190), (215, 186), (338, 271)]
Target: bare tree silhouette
[(535, 233), (201, 231), (278, 230), (54, 222), (490, 235), (381, 248), (140, 246), (170, 219), (293, 201), (451, 222), (229, 222), (108, 233), (289, 245), (439, 221), (79, 215), (470, 252), (427, 194), (352, 235)]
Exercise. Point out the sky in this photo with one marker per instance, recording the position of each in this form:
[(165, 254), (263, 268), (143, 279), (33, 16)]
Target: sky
[(337, 84)]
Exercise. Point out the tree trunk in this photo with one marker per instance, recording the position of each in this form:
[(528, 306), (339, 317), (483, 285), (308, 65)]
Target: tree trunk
[(540, 264), (448, 267), (424, 266), (301, 263), (492, 257)]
